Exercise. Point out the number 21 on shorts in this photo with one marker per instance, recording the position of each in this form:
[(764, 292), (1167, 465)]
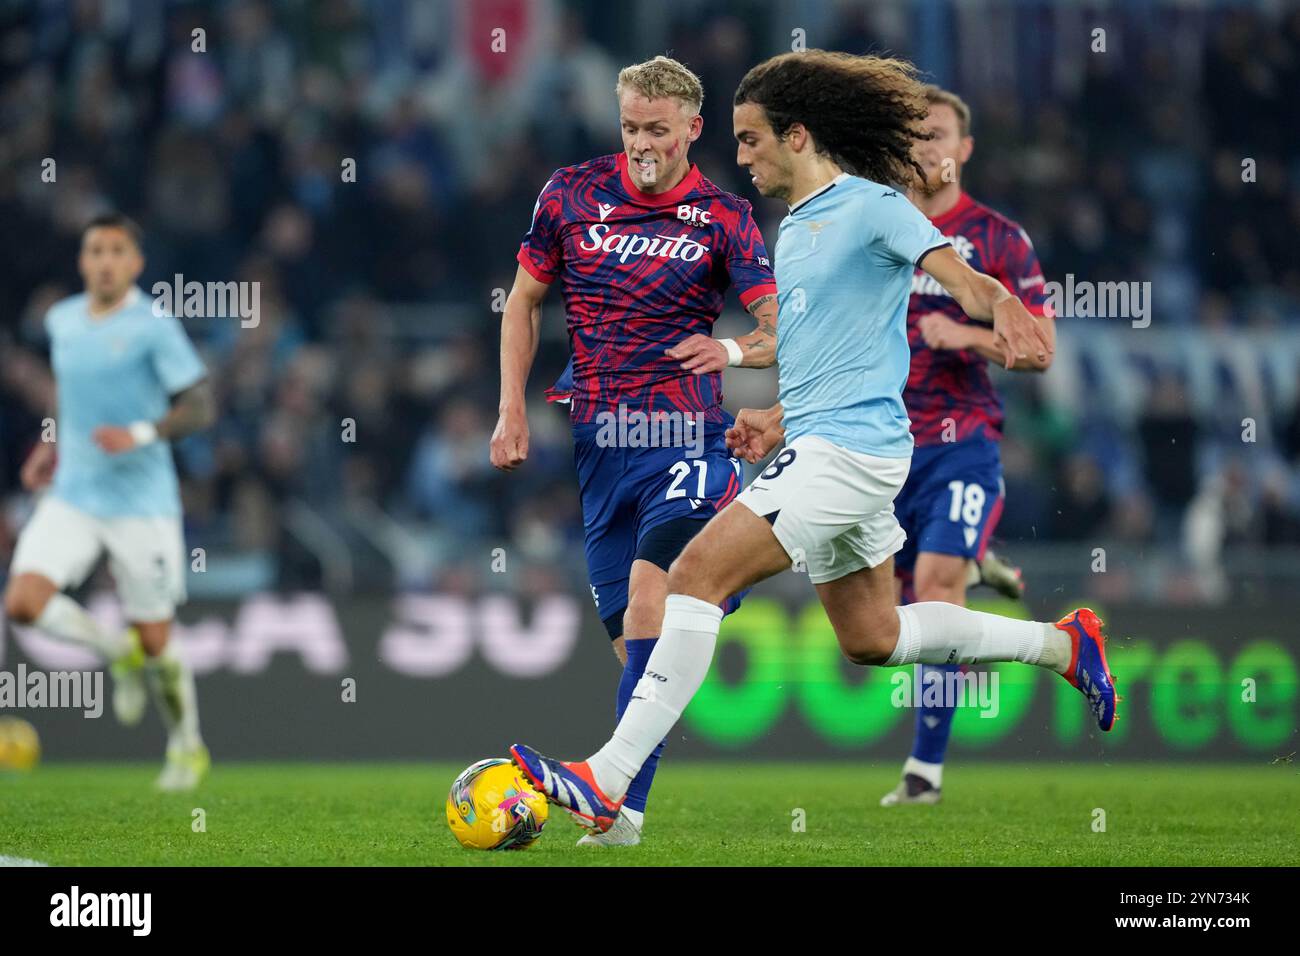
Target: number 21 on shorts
[(681, 471)]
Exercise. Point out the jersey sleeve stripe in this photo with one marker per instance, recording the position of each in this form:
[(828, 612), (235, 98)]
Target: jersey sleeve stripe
[(757, 292), (921, 257), (532, 269)]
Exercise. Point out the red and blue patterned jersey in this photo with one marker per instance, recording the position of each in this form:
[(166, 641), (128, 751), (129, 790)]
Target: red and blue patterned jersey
[(952, 384), (641, 272)]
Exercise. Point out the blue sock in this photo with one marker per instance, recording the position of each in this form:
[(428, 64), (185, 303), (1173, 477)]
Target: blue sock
[(933, 724), (638, 654)]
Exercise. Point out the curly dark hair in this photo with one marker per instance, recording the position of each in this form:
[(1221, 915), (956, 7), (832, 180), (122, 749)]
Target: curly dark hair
[(862, 111)]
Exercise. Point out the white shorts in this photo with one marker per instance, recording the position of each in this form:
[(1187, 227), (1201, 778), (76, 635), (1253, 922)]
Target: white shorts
[(145, 555), (830, 508)]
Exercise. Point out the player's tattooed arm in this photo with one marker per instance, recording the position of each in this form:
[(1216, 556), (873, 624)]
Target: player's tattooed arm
[(521, 326), (192, 410), (1019, 339), (759, 346), (702, 354)]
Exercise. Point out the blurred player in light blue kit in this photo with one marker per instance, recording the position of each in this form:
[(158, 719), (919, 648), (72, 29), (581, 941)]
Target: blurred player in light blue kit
[(129, 382)]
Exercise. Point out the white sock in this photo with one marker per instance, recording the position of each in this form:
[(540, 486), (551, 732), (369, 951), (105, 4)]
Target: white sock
[(933, 632), (172, 684), (675, 671), (67, 620), (931, 772)]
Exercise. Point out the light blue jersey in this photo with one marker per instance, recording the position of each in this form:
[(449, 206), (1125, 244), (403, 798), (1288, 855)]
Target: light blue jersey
[(844, 263), (115, 370)]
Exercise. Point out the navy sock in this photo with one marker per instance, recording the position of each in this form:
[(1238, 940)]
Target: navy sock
[(933, 724), (638, 654)]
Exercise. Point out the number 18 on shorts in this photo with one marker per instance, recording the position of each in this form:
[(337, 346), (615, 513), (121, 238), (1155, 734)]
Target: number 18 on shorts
[(952, 500)]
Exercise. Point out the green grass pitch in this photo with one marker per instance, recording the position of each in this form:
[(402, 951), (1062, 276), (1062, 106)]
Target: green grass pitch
[(700, 814)]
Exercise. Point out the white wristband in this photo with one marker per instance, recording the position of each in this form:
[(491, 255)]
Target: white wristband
[(143, 433), (734, 355)]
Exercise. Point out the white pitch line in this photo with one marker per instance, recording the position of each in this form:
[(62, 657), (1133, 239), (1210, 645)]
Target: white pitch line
[(19, 861)]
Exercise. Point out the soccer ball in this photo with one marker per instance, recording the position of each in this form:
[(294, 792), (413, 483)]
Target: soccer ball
[(20, 746), (492, 807)]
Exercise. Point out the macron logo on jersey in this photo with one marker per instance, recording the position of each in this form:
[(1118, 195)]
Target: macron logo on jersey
[(605, 209), (601, 239)]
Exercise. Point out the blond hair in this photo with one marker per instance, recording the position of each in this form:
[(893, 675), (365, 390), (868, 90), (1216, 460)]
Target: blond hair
[(937, 94), (661, 77)]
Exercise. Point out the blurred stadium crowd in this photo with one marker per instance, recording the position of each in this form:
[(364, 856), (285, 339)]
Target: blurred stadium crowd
[(377, 295)]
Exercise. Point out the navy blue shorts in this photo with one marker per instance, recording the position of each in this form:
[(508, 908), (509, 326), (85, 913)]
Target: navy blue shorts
[(951, 501), (627, 491)]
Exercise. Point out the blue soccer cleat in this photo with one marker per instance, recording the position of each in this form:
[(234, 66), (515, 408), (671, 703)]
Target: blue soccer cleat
[(1088, 670), (569, 786)]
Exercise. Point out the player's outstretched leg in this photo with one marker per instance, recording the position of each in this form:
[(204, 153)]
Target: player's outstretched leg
[(1074, 647), (172, 685), (871, 631), (923, 770), (36, 600)]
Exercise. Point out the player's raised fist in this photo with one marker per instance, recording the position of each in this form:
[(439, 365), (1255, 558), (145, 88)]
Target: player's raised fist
[(509, 446), (113, 439), (699, 354)]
